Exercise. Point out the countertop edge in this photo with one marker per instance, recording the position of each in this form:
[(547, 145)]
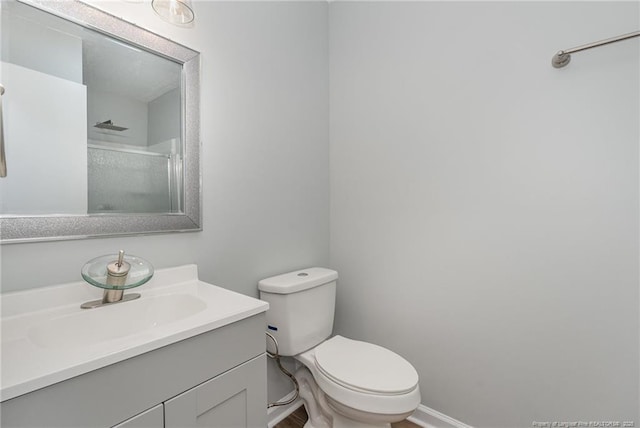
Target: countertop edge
[(32, 385)]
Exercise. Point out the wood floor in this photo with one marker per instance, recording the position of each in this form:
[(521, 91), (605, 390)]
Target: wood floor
[(298, 418)]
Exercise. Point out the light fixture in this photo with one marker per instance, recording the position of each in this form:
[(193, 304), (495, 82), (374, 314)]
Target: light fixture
[(178, 12)]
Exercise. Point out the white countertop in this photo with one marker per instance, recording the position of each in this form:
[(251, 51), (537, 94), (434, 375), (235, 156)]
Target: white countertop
[(47, 338)]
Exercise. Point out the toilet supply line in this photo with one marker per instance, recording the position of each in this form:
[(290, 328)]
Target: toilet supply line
[(276, 356)]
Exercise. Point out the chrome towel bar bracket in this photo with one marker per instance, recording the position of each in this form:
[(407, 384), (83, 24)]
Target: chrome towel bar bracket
[(563, 57)]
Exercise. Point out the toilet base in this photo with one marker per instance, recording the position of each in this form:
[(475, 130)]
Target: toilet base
[(314, 401), (324, 412)]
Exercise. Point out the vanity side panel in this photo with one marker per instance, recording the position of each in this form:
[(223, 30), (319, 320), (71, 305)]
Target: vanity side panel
[(112, 394)]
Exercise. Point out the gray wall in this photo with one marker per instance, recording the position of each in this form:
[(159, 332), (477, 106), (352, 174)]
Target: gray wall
[(264, 105), (40, 47), (484, 205), (164, 112)]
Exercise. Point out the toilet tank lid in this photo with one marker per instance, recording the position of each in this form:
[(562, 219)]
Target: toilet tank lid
[(299, 280)]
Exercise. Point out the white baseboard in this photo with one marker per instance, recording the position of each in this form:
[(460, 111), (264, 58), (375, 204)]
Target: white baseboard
[(429, 418), (276, 414), (423, 416)]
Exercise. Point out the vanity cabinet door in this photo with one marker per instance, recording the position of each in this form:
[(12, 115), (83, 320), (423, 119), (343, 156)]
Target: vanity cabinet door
[(152, 418), (234, 399)]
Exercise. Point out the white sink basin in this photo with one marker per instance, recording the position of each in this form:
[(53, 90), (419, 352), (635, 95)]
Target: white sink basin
[(92, 326), (47, 338)]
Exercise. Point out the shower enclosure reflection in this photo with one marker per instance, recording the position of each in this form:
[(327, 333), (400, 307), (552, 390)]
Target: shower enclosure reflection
[(133, 115), (133, 181)]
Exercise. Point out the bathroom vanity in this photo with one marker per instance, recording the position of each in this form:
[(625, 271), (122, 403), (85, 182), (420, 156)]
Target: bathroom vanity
[(185, 354)]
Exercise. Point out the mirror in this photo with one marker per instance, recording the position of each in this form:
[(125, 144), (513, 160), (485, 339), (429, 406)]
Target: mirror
[(101, 122)]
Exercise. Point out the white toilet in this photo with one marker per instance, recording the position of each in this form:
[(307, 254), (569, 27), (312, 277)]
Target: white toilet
[(344, 382)]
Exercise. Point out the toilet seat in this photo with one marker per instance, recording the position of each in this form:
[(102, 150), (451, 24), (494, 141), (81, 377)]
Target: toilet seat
[(340, 373), (365, 367)]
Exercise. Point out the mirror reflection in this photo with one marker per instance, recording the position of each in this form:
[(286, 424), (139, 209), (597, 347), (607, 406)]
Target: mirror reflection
[(92, 124)]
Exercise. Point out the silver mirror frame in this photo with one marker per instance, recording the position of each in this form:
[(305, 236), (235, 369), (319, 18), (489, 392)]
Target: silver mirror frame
[(19, 229)]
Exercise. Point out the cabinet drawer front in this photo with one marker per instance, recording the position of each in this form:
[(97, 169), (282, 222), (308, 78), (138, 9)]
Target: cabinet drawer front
[(152, 418), (235, 399)]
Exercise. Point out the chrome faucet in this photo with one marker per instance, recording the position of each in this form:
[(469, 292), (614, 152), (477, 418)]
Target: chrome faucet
[(115, 281), (117, 272)]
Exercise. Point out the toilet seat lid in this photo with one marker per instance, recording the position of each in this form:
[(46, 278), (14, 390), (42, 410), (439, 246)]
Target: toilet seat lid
[(365, 367)]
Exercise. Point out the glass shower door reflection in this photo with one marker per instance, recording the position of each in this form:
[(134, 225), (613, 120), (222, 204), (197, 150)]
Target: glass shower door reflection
[(132, 181)]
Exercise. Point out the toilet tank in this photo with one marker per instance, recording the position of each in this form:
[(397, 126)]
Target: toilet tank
[(301, 308)]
